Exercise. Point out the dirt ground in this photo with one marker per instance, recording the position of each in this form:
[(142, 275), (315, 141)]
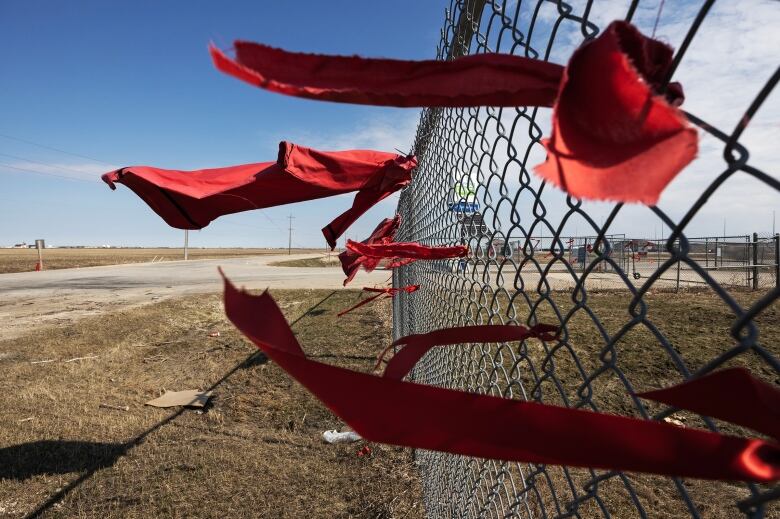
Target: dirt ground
[(24, 260), (255, 452)]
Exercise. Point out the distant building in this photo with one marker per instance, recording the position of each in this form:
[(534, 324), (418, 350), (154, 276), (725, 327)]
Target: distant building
[(22, 245)]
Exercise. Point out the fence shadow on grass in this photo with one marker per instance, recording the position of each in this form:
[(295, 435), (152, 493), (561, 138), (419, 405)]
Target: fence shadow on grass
[(30, 459), (255, 358)]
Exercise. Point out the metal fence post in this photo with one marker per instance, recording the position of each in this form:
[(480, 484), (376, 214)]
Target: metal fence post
[(717, 248), (755, 261), (777, 260)]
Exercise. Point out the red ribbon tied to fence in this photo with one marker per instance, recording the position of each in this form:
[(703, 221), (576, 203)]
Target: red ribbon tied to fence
[(478, 80), (389, 292), (615, 137), (406, 250), (192, 199), (389, 410), (383, 233)]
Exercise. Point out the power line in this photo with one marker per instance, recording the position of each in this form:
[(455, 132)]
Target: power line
[(50, 164), (58, 150), (44, 173)]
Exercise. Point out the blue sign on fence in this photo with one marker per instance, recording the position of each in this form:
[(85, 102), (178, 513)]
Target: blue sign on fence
[(465, 207)]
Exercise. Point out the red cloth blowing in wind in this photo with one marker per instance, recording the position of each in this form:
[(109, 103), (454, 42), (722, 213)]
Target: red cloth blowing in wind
[(478, 80), (390, 410), (192, 199), (614, 136), (351, 261)]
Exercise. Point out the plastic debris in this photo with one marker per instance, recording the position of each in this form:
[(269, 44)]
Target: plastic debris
[(334, 436)]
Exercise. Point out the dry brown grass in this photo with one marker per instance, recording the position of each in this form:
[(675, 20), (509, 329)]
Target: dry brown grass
[(256, 452), (23, 260), (697, 325), (331, 260)]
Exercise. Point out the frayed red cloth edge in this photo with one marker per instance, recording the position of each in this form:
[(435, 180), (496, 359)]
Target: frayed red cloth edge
[(614, 136), (388, 292), (352, 261), (403, 413)]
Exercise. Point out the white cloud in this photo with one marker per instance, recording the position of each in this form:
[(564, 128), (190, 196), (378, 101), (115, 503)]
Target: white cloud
[(381, 132)]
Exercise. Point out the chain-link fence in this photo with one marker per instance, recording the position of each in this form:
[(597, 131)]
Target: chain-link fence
[(635, 313)]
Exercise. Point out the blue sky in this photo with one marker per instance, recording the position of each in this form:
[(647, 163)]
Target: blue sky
[(132, 83), (129, 83)]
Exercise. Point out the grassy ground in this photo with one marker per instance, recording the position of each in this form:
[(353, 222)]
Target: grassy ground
[(256, 452), (23, 260), (331, 260)]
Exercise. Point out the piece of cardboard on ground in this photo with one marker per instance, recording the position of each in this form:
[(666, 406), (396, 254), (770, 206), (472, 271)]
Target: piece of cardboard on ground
[(189, 398)]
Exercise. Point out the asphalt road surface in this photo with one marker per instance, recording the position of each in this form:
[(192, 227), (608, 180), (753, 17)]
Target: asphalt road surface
[(29, 299)]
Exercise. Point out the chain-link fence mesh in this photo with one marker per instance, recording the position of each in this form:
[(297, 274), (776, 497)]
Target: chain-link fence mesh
[(638, 310)]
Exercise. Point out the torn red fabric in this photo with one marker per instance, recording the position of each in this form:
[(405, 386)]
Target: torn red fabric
[(192, 199), (400, 263), (614, 137), (732, 395), (389, 292), (414, 347), (408, 250), (478, 80), (352, 261), (382, 409)]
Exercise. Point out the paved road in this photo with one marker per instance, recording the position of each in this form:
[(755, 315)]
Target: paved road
[(61, 296)]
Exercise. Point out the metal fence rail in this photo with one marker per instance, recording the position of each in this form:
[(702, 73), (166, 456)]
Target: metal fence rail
[(474, 185)]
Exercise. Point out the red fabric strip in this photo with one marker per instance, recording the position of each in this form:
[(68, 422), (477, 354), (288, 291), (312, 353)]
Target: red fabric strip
[(389, 292), (733, 395), (351, 261), (411, 250), (192, 199), (400, 263), (415, 346), (613, 137), (412, 415), (478, 80)]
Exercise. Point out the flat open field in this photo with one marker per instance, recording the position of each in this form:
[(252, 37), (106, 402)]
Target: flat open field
[(255, 452), (23, 260)]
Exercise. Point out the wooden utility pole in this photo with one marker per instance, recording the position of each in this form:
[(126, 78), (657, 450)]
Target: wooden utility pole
[(289, 238)]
